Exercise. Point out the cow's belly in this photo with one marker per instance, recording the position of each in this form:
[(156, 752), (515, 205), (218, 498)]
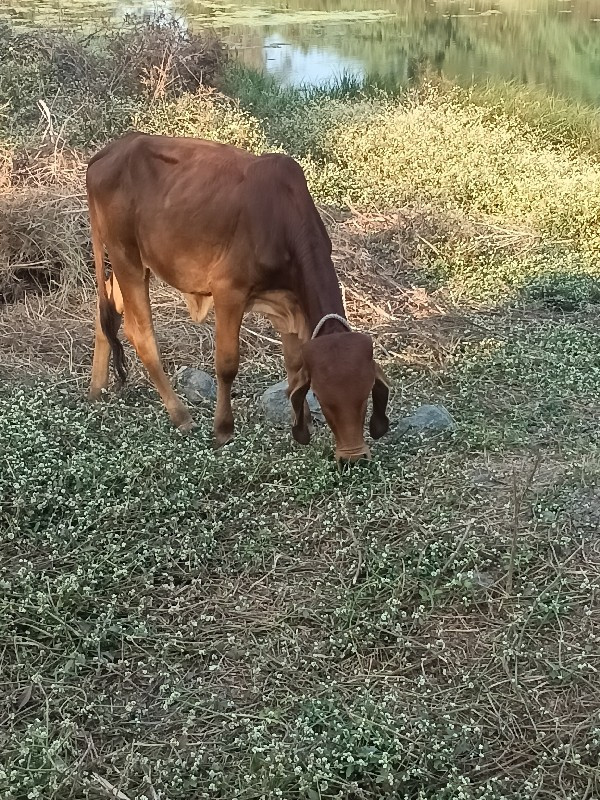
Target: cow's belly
[(186, 274), (188, 264)]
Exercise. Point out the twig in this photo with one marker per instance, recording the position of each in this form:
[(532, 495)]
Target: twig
[(111, 790), (260, 335), (50, 125), (378, 309), (457, 550), (517, 499), (431, 246)]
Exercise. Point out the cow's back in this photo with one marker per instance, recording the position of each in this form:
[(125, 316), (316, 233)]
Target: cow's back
[(196, 209), (149, 167)]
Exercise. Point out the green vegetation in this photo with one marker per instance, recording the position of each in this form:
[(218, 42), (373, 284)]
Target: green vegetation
[(179, 622)]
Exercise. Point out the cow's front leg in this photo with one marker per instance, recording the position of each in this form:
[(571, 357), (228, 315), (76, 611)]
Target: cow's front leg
[(229, 311), (294, 365)]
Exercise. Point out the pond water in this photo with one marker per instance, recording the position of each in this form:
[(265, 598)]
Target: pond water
[(549, 43)]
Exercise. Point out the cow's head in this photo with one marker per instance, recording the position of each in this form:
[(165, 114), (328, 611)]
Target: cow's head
[(341, 370)]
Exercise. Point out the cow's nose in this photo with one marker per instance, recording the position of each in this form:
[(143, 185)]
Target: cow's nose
[(344, 457)]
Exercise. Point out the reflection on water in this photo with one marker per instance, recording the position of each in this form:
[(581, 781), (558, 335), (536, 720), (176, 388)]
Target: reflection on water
[(312, 65), (552, 43)]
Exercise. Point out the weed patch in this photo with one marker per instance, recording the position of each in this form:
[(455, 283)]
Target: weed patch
[(271, 626)]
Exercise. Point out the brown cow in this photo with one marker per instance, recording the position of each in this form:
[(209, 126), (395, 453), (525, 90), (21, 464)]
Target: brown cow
[(240, 232)]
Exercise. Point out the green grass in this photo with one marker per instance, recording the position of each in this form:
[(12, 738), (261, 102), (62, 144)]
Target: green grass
[(497, 157), (180, 622), (560, 120)]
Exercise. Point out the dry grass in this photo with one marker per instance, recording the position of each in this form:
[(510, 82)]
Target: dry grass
[(45, 251), (44, 243), (157, 58)]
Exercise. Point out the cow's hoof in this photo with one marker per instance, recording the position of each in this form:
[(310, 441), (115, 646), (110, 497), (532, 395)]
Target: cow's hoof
[(187, 427), (96, 395), (301, 434), (222, 438)]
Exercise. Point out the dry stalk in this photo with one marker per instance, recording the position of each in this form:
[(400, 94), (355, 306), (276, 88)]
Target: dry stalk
[(517, 501)]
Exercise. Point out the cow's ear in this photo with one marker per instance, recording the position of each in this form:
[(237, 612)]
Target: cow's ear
[(379, 423), (297, 391)]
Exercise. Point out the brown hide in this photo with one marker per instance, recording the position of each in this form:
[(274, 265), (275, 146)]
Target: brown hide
[(238, 232)]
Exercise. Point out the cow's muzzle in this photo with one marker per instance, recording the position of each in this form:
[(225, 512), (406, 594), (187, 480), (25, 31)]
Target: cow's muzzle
[(345, 456)]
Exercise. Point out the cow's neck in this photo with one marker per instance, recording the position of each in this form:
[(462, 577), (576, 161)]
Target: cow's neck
[(319, 290)]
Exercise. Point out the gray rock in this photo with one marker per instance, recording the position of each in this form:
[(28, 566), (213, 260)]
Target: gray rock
[(484, 478), (429, 419), (197, 385), (276, 405)]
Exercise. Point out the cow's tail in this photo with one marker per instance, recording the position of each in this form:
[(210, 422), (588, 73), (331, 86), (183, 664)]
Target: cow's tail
[(110, 319)]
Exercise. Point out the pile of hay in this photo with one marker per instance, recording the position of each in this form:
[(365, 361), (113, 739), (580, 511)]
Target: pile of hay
[(65, 96)]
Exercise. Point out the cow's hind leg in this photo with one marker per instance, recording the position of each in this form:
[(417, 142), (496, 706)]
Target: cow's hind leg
[(100, 361), (140, 332), (229, 311)]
